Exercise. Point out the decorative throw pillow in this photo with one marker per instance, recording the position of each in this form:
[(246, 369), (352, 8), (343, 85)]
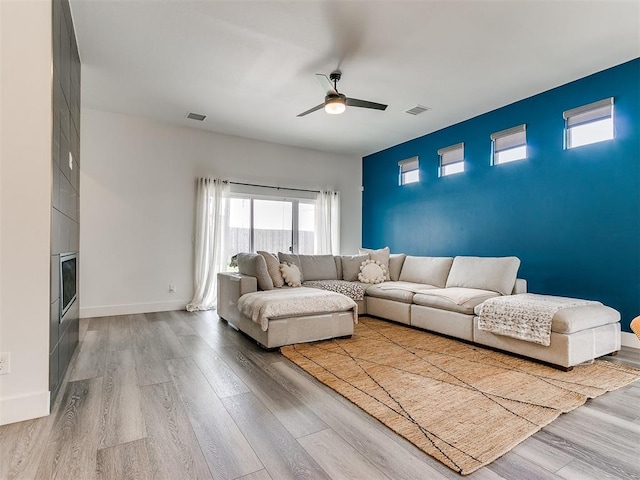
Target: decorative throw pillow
[(381, 255), (273, 267), (290, 258), (372, 271), (290, 274)]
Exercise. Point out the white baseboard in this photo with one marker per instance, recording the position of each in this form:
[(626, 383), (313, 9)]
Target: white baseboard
[(133, 308), (630, 340), (627, 339), (24, 407)]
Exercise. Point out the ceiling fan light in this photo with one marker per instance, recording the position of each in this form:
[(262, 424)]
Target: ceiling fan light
[(335, 106)]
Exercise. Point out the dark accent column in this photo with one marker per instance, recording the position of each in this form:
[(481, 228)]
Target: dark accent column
[(65, 219)]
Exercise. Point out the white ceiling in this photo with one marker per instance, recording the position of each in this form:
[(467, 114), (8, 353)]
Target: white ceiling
[(250, 65)]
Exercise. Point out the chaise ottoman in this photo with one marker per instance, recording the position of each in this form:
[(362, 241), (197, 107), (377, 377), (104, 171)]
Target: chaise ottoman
[(319, 324), (578, 334)]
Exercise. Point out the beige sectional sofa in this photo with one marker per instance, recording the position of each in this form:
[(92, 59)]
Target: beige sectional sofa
[(439, 294)]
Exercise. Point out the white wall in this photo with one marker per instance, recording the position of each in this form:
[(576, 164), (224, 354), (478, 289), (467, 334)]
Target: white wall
[(137, 203), (25, 205)]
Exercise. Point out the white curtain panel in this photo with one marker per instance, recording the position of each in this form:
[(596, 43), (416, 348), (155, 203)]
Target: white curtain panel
[(211, 246), (327, 223)]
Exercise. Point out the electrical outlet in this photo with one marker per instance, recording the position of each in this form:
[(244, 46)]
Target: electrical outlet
[(172, 288), (4, 363)]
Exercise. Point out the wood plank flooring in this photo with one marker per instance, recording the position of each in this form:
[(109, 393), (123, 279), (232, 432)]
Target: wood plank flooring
[(179, 395)]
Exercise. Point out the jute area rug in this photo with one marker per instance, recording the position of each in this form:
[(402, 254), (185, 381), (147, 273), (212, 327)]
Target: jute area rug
[(462, 404)]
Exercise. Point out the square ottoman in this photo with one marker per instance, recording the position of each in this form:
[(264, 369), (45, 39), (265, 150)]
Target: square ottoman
[(578, 334)]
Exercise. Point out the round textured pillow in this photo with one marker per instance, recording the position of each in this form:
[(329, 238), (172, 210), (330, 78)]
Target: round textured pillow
[(290, 274), (372, 271)]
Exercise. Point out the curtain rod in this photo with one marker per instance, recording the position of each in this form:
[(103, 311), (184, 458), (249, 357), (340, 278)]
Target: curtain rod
[(276, 188)]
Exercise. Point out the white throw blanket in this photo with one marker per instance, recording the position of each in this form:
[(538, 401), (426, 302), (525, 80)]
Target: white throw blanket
[(291, 302), (525, 316)]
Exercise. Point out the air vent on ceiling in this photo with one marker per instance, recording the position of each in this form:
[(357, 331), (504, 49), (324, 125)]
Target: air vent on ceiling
[(417, 110), (196, 116)]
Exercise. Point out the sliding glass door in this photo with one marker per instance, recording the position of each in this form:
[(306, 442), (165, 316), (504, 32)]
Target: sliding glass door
[(306, 227), (272, 224)]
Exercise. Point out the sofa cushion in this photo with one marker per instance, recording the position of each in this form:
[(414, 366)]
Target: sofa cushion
[(366, 286), (486, 273), (575, 319), (318, 267), (254, 265), (351, 266), (273, 267), (455, 299), (427, 270), (398, 291), (381, 255), (396, 260), (353, 290), (338, 261)]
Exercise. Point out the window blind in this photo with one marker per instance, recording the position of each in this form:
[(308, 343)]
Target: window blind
[(509, 138), (452, 154), (408, 165), (589, 113)]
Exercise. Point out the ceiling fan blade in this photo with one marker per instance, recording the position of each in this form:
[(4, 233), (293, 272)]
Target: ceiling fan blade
[(326, 84), (354, 102), (311, 110)]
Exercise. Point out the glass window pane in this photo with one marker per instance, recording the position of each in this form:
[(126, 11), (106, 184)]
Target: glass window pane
[(272, 225), (590, 133), (511, 155), (306, 228), (411, 176), (452, 168), (239, 225)]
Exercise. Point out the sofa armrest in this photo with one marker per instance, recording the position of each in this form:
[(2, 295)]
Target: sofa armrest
[(231, 286), (520, 286)]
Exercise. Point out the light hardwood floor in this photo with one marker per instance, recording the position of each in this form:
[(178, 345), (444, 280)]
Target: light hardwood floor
[(178, 395)]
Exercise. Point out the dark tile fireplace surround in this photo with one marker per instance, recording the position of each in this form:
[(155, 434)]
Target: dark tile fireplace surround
[(65, 218)]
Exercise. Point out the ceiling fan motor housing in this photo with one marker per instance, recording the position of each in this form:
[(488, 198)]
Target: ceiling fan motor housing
[(335, 103), (335, 97)]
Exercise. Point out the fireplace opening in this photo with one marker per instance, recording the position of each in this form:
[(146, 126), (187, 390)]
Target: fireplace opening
[(68, 283)]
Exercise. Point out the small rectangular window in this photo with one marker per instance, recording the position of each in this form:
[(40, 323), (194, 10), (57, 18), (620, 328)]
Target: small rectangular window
[(509, 145), (451, 159), (589, 124), (409, 171)]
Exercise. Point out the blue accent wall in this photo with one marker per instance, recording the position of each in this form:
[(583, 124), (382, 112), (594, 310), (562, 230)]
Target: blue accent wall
[(571, 216)]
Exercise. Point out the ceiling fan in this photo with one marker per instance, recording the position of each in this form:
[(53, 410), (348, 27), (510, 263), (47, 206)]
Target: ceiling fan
[(336, 102)]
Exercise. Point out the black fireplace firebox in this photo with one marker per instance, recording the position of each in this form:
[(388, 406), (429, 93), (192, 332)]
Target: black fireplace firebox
[(68, 281)]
